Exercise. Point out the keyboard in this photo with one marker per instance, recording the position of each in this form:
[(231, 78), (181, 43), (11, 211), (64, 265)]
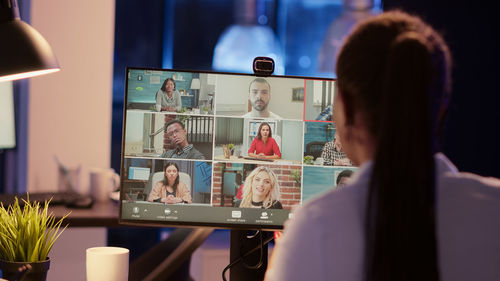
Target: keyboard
[(258, 159), (56, 198)]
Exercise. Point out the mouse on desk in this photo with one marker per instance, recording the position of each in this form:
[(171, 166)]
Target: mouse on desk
[(82, 202)]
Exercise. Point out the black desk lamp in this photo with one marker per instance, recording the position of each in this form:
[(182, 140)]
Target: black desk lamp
[(24, 52)]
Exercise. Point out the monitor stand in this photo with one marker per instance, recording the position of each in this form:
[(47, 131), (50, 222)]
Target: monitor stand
[(241, 244), (161, 261)]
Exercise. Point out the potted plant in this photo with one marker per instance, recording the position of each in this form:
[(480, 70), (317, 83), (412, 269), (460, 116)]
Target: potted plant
[(296, 176), (205, 109), (309, 159), (27, 234), (231, 148)]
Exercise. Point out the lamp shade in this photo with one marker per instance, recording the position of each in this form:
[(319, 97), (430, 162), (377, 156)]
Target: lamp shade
[(24, 52), (195, 84)]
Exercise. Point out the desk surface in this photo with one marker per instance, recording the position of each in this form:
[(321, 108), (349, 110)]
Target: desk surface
[(192, 112), (102, 214), (256, 160)]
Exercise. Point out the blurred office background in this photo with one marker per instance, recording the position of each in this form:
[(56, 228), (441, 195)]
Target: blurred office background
[(225, 35), (302, 36)]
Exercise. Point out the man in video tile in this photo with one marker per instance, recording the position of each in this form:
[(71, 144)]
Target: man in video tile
[(259, 94), (333, 154), (343, 178), (177, 135)]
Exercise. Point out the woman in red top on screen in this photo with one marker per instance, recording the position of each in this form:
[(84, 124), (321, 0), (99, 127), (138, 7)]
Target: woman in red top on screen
[(263, 145)]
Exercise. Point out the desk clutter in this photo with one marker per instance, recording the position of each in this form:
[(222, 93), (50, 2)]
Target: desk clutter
[(102, 182), (69, 199)]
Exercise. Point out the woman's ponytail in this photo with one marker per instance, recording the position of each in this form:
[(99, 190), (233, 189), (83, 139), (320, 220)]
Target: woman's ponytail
[(401, 239), (394, 71)]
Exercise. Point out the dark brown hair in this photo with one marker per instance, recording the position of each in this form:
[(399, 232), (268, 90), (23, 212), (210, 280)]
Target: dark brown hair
[(259, 136), (174, 121), (395, 70), (343, 174), (165, 180), (164, 85)]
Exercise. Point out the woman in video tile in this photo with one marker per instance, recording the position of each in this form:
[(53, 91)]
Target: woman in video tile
[(263, 145), (167, 97), (261, 190), (170, 190)]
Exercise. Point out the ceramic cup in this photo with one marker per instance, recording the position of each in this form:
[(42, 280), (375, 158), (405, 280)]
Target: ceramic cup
[(102, 183), (318, 161), (158, 107), (107, 263)]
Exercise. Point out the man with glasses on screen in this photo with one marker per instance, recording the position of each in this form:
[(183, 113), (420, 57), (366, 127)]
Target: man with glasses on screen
[(259, 94), (177, 134)]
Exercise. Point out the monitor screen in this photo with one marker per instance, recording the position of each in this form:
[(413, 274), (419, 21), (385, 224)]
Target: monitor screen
[(226, 150), (138, 173)]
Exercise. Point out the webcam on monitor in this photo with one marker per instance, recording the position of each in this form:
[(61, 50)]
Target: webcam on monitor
[(263, 66)]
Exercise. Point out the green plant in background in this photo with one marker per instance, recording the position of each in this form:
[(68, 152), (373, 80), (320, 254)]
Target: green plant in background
[(296, 175), (231, 148), (309, 160), (28, 233), (183, 118)]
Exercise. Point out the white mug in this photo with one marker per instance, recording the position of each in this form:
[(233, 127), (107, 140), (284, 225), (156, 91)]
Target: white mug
[(102, 183), (158, 107), (107, 264), (318, 161)]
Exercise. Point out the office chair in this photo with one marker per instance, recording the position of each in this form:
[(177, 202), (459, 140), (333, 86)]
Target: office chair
[(314, 148)]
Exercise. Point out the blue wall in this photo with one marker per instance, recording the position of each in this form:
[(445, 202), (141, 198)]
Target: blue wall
[(317, 131), (142, 91)]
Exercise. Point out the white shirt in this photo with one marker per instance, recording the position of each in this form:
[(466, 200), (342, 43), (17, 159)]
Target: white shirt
[(325, 239), (251, 114)]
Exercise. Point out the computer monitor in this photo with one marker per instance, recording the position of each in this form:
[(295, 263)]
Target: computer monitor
[(225, 150)]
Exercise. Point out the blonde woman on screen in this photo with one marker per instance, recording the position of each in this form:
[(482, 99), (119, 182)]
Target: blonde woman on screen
[(261, 190)]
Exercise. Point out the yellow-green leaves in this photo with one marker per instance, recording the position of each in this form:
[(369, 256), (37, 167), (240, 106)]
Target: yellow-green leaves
[(28, 233)]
